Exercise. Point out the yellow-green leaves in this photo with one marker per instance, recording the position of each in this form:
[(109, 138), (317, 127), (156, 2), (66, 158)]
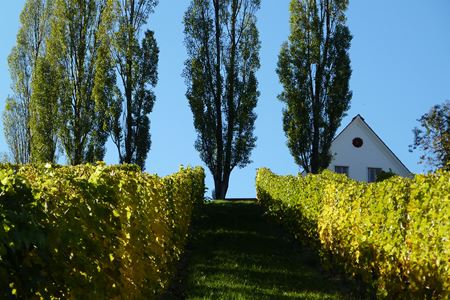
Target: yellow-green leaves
[(6, 228), (13, 290), (116, 213), (394, 235), (128, 210), (78, 231)]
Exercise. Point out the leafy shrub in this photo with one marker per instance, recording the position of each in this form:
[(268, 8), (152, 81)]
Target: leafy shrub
[(427, 238), (383, 175), (361, 225), (295, 201), (92, 231), (393, 235)]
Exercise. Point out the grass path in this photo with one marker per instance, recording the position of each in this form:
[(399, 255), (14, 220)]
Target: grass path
[(235, 253)]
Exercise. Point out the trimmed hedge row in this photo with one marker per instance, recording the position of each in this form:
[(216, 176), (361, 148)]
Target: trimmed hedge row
[(92, 231), (393, 235)]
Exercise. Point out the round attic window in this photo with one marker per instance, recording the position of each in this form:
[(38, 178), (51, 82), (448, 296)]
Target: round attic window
[(357, 142)]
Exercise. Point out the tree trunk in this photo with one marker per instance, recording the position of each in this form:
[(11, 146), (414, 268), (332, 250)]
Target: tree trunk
[(315, 152), (218, 103), (221, 186), (129, 118), (128, 93), (316, 129), (231, 93)]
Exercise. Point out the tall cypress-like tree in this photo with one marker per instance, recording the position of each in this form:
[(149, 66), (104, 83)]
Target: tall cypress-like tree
[(30, 46), (137, 66), (76, 48), (223, 45), (314, 69)]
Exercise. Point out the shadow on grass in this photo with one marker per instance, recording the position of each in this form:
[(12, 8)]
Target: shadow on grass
[(235, 253)]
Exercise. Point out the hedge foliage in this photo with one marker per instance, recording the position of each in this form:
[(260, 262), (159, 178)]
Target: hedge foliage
[(393, 235), (92, 231)]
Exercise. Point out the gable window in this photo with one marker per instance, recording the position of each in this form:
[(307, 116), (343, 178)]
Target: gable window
[(341, 170), (373, 174), (357, 142)]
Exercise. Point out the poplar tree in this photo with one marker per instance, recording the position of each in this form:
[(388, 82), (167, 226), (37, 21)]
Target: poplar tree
[(223, 45), (30, 46), (314, 70), (137, 67), (78, 56)]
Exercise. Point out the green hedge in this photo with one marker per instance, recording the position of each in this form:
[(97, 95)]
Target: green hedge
[(295, 201), (393, 235), (92, 231)]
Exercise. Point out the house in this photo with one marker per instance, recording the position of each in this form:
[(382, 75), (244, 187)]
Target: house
[(360, 153)]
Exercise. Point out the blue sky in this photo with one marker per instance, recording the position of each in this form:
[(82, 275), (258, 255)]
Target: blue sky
[(401, 67)]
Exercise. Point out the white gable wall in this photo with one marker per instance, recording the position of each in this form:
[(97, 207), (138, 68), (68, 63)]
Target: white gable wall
[(372, 154)]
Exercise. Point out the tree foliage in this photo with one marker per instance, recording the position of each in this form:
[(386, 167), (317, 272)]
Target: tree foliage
[(314, 69), (65, 65), (77, 54), (433, 137), (137, 66), (44, 119), (30, 45), (14, 120), (223, 45)]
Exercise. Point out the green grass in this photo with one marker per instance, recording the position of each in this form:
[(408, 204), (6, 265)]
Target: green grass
[(236, 253)]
